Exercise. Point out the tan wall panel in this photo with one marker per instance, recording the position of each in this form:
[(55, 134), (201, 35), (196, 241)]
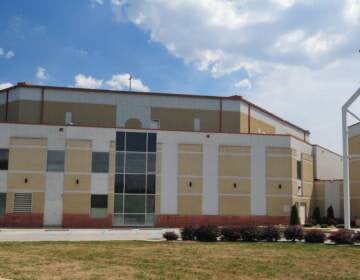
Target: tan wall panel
[(256, 124), (27, 159), (280, 167), (234, 205), (71, 185), (38, 202), (111, 183), (355, 189), (280, 187), (234, 149), (319, 189), (34, 181), (78, 143), (189, 205), (183, 185), (354, 145), (190, 164), (281, 151), (78, 160), (24, 111), (354, 170), (244, 123), (9, 202), (189, 148), (158, 185), (110, 203), (28, 141), (112, 157), (76, 203), (234, 165), (307, 169), (230, 122), (183, 119), (226, 186), (308, 189), (157, 204), (276, 206), (158, 163), (82, 113)]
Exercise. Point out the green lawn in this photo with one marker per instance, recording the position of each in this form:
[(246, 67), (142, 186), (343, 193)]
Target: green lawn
[(178, 260)]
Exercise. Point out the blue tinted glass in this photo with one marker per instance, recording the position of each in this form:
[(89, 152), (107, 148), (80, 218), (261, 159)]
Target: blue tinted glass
[(135, 183), (120, 141), (136, 141), (151, 184), (151, 142)]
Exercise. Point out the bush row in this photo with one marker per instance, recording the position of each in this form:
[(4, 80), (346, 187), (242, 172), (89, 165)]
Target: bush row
[(251, 233)]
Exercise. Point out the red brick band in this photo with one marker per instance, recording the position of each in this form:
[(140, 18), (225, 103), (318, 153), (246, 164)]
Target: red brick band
[(85, 221)]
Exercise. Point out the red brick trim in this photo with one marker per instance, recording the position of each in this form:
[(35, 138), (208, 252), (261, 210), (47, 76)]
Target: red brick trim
[(197, 220), (85, 221), (22, 220)]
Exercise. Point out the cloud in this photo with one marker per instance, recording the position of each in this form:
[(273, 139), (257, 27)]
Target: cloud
[(5, 85), (83, 81), (245, 83), (9, 55), (352, 11), (117, 82), (96, 2), (41, 73), (121, 82)]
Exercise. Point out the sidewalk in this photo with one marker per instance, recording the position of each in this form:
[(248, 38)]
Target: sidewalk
[(146, 234)]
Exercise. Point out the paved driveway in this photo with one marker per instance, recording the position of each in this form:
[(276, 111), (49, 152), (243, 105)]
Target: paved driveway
[(148, 234)]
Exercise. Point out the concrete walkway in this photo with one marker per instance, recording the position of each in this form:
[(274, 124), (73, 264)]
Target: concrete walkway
[(146, 234)]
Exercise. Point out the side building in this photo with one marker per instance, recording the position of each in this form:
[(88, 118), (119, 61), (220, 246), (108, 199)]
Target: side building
[(96, 158)]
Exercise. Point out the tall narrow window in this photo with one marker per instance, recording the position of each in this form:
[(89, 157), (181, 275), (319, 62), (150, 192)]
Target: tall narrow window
[(100, 162), (299, 170), (22, 202), (68, 118), (2, 204), (4, 159), (99, 204), (197, 124), (55, 161)]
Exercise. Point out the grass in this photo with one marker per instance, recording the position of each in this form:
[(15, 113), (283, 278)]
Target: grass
[(177, 260)]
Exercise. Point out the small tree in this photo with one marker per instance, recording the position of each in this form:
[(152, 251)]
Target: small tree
[(330, 213), (294, 216), (317, 215)]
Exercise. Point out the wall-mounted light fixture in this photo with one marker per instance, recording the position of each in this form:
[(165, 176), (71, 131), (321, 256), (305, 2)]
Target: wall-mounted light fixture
[(26, 180), (280, 186), (77, 181), (235, 185), (190, 184)]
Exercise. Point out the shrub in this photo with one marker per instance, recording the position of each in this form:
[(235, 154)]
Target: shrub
[(316, 215), (308, 225), (230, 233), (324, 225), (294, 233), (207, 233), (340, 226), (294, 216), (188, 233), (330, 213), (170, 235), (342, 236), (315, 236), (270, 233), (356, 237), (249, 233)]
